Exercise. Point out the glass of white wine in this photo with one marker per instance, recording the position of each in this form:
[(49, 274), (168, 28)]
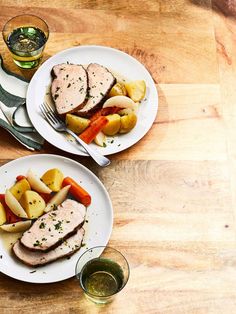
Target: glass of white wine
[(25, 36), (102, 273)]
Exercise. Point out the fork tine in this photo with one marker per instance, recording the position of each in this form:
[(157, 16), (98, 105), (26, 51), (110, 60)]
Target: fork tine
[(53, 113), (46, 116), (48, 113)]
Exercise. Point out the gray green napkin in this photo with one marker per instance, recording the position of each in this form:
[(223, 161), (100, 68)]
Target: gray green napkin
[(13, 90)]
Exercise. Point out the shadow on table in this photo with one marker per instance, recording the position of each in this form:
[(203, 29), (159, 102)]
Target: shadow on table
[(225, 7), (61, 297)]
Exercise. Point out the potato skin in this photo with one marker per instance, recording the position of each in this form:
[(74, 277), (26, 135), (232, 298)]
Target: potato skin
[(53, 179), (19, 188), (33, 204), (113, 125), (76, 124)]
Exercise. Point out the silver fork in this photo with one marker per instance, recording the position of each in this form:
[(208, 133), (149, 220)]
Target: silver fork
[(52, 118)]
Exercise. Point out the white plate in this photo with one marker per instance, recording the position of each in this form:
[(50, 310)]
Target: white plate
[(118, 62), (99, 216)]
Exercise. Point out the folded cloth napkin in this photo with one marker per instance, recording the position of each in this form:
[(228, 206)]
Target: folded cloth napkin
[(13, 93)]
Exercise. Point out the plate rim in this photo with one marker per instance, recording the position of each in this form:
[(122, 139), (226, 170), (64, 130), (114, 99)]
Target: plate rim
[(94, 177), (81, 47)]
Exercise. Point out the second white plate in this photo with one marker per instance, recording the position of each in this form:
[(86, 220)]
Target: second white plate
[(97, 228)]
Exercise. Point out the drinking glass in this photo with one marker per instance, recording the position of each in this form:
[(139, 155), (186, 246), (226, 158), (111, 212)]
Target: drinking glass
[(25, 36), (102, 273)]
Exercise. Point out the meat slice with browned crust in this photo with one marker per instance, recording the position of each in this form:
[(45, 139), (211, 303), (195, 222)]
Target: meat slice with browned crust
[(100, 81), (52, 228), (69, 87), (67, 248)]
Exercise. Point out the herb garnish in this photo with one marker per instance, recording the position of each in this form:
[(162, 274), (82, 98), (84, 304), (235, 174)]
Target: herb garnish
[(42, 225), (58, 225), (37, 243)]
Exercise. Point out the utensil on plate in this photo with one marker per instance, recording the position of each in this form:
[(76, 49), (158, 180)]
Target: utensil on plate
[(52, 118), (102, 273)]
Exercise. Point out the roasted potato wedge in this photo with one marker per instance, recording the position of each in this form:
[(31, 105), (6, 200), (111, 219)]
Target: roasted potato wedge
[(136, 90), (53, 179), (33, 204), (76, 124), (19, 188), (113, 125), (118, 90), (127, 122)]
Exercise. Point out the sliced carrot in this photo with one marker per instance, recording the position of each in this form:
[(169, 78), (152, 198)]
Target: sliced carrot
[(104, 112), (96, 115), (93, 129), (77, 191), (20, 177)]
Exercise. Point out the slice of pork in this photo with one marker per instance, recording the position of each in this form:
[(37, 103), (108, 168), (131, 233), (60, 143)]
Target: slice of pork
[(68, 247), (52, 228), (69, 87), (100, 83)]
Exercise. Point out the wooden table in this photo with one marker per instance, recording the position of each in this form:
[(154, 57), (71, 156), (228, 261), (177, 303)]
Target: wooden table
[(174, 193)]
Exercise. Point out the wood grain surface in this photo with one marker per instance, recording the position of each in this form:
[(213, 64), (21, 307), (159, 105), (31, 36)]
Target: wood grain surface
[(174, 192)]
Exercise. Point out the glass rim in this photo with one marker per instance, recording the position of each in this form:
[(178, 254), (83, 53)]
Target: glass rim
[(33, 15), (78, 276)]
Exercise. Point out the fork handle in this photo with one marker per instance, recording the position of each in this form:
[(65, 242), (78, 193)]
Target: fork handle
[(100, 159)]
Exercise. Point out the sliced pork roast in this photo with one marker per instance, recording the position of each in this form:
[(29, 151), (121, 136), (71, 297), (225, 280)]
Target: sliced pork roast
[(68, 247), (52, 228), (100, 83), (69, 87)]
